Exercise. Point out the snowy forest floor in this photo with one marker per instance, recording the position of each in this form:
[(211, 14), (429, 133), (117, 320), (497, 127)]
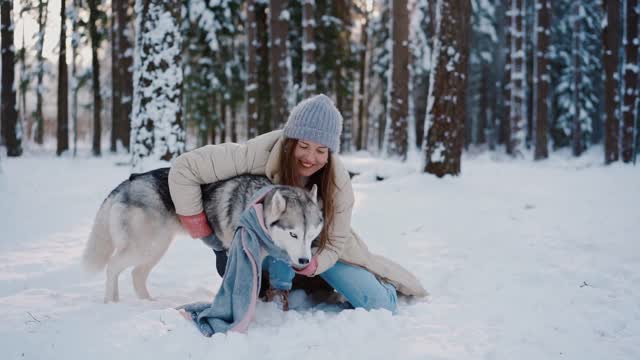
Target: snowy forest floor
[(523, 260)]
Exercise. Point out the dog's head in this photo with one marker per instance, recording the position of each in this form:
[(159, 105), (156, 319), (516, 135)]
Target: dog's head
[(294, 219)]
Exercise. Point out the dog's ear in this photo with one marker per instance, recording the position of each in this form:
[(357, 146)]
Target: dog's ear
[(278, 204), (314, 193)]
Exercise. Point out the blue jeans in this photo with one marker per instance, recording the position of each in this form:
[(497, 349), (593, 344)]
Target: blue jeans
[(359, 286)]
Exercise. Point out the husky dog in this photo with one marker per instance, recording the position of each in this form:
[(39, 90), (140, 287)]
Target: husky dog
[(137, 222)]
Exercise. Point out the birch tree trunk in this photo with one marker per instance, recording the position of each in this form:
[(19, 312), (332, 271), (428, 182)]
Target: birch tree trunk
[(611, 38), (11, 132), (63, 86), (444, 124)]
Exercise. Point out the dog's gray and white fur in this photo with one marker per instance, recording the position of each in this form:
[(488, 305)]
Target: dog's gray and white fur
[(137, 222)]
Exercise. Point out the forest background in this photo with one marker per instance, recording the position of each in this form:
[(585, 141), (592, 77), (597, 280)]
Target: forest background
[(155, 78)]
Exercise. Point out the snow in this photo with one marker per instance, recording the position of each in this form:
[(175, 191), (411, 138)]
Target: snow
[(523, 260)]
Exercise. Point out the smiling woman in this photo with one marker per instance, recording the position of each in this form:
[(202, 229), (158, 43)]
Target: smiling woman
[(310, 157), (303, 154)]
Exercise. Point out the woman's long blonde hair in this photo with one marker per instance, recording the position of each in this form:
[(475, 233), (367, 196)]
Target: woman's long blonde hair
[(324, 179)]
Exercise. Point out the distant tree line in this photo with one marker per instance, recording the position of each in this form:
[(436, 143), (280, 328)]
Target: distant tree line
[(519, 76)]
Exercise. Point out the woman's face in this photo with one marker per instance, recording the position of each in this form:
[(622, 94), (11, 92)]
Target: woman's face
[(310, 157)]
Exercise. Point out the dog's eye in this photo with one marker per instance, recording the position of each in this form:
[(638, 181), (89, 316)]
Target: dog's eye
[(293, 235)]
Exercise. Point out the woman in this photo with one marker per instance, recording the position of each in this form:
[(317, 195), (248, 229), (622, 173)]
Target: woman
[(302, 154)]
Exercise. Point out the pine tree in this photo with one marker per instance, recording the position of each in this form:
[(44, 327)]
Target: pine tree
[(63, 86), (576, 73), (11, 132), (542, 77), (611, 37), (398, 106), (480, 112), (447, 86), (214, 83), (631, 44), (157, 129)]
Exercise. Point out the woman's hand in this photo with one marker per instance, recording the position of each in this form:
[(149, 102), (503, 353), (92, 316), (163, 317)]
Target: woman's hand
[(196, 225)]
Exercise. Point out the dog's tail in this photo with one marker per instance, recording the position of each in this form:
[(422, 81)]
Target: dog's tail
[(100, 245)]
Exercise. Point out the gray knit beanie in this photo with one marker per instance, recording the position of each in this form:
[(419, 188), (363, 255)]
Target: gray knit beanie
[(315, 119)]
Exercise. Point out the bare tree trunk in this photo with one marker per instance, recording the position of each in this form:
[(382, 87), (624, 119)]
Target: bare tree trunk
[(115, 76), (251, 88), (25, 79), (95, 73), (234, 125), (444, 125), (121, 74), (10, 127), (542, 74), (39, 116), (264, 88), (577, 142), (632, 42), (344, 80), (398, 102), (481, 137), (361, 139), (505, 130), (63, 86), (74, 75), (223, 119), (308, 48), (611, 50), (278, 31)]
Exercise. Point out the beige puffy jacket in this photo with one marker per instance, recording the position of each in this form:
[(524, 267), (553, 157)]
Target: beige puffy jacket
[(261, 156)]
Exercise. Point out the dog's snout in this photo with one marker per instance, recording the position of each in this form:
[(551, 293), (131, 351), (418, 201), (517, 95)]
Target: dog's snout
[(303, 261)]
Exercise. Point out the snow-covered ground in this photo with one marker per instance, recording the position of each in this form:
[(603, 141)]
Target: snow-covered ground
[(523, 260)]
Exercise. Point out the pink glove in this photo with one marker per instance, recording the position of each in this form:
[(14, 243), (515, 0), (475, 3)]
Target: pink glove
[(196, 225), (310, 269)]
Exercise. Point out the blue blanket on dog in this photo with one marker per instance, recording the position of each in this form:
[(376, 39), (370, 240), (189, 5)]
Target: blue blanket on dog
[(234, 305)]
